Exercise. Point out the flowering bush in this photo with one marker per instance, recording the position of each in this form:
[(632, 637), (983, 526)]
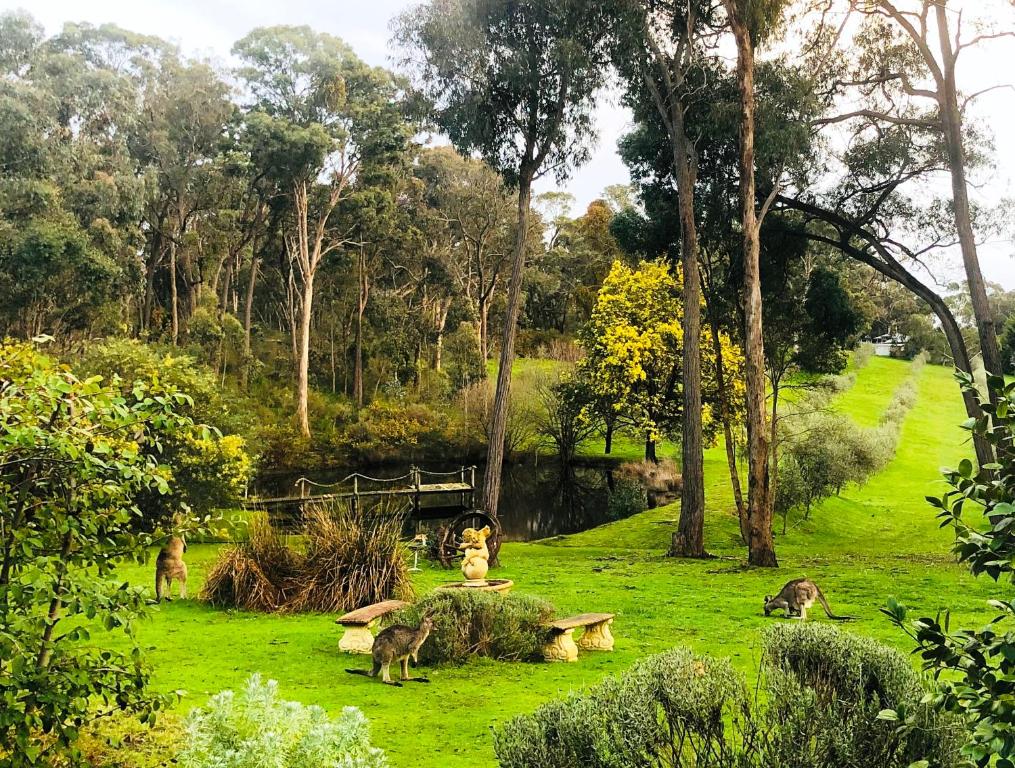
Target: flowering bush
[(256, 728)]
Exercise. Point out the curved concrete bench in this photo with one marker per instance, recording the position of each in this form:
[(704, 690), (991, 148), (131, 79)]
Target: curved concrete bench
[(358, 637), (596, 637)]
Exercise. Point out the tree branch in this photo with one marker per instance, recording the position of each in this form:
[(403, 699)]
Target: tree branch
[(875, 115)]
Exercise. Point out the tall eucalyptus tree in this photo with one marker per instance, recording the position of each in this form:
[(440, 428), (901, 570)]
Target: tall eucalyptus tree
[(319, 119), (515, 81), (750, 21), (661, 44), (916, 49)]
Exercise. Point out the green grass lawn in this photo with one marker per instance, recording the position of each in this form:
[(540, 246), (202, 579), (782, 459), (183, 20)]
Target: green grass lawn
[(873, 542), (876, 382)]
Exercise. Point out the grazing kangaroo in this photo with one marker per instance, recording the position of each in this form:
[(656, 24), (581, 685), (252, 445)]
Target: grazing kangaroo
[(398, 643), (796, 597), (168, 566)]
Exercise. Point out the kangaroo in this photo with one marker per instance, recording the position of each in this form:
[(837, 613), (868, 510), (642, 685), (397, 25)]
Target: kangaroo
[(398, 643), (168, 566), (796, 597)]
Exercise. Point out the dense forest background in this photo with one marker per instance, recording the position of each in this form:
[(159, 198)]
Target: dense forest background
[(279, 240)]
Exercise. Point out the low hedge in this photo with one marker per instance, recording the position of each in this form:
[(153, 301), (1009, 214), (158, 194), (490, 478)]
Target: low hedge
[(817, 705), (826, 688), (669, 709), (471, 623)]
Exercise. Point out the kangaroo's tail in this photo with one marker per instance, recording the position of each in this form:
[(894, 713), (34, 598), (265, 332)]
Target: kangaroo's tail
[(359, 672), (828, 608)]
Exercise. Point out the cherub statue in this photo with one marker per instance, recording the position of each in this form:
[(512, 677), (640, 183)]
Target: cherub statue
[(475, 563)]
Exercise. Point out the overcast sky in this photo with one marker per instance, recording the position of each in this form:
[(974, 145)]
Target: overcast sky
[(208, 28)]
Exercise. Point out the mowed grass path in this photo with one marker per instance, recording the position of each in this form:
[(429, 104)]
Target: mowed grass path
[(873, 542)]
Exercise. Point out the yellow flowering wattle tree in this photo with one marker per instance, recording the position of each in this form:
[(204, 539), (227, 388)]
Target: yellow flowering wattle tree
[(633, 346)]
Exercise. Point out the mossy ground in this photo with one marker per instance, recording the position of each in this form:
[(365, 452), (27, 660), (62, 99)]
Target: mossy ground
[(873, 542)]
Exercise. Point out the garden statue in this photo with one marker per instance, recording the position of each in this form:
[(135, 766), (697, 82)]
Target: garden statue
[(475, 563)]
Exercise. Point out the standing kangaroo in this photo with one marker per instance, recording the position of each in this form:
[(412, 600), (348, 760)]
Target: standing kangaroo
[(168, 566), (397, 643)]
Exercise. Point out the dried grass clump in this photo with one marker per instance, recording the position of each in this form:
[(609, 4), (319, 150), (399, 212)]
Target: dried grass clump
[(661, 477), (352, 559), (344, 560), (253, 574)]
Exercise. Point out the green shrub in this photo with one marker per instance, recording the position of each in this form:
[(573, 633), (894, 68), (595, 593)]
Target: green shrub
[(282, 446), (388, 429), (470, 623), (120, 741), (465, 366), (133, 360), (627, 497), (820, 454), (862, 356), (826, 690), (842, 382), (674, 709), (209, 470), (838, 664), (818, 706), (256, 729)]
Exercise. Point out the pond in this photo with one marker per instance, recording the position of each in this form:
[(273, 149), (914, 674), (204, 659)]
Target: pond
[(537, 500)]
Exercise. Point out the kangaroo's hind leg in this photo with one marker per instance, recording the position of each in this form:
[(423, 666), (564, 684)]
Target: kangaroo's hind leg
[(405, 672), (158, 587), (182, 578), (386, 675)]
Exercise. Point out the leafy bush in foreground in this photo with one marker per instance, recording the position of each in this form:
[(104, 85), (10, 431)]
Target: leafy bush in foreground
[(256, 728), (821, 694), (977, 666), (669, 709), (469, 623), (827, 689), (74, 456)]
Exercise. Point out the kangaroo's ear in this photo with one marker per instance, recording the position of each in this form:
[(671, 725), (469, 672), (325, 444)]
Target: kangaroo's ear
[(768, 598), (486, 530)]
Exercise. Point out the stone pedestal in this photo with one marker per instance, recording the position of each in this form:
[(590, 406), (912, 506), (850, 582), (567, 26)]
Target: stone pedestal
[(358, 639), (561, 647), (597, 637), (486, 585)]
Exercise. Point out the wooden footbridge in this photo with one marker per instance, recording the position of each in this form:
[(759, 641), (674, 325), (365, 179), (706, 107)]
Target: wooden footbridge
[(420, 494)]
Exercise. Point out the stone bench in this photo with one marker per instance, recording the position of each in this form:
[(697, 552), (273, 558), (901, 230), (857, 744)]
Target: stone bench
[(358, 637), (596, 637)]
